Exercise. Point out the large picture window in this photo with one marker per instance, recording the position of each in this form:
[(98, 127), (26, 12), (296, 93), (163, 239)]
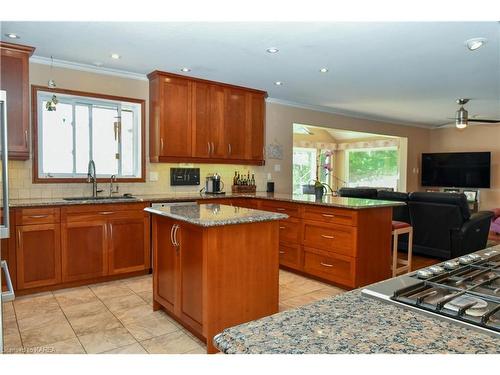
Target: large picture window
[(374, 167), (304, 167), (84, 127)]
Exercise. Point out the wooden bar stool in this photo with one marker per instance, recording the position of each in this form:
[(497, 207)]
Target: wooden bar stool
[(398, 228)]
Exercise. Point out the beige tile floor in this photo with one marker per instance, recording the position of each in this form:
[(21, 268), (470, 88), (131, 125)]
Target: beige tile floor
[(117, 318)]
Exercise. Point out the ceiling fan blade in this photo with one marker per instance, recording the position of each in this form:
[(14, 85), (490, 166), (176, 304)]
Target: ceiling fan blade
[(483, 120)]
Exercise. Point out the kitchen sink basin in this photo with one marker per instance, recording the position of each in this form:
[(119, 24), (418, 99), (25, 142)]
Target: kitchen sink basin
[(121, 197)]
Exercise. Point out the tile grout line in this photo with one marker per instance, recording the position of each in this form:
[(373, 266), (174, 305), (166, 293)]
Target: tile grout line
[(18, 329), (69, 322)]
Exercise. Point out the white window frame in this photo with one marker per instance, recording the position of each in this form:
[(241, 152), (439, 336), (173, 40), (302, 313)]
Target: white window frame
[(368, 149), (74, 100)]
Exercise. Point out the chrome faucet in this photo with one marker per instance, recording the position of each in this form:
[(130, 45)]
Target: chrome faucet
[(92, 177), (111, 190)]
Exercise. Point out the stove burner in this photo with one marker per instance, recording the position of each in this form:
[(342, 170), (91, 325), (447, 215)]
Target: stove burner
[(467, 304), (451, 264)]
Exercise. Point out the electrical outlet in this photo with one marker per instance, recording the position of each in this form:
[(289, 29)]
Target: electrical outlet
[(277, 167), (269, 177), (153, 176)]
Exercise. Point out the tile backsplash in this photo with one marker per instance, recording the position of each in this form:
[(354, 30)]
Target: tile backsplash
[(21, 185)]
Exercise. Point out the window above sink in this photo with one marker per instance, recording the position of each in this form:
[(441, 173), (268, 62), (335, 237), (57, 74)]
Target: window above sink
[(83, 127)]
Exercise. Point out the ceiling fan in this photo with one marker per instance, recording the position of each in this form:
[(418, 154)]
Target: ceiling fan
[(462, 116)]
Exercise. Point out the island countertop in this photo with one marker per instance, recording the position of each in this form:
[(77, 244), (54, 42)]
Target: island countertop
[(328, 200), (352, 324), (212, 215)]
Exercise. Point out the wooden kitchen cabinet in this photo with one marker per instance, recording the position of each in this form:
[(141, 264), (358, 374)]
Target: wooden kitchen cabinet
[(84, 246), (14, 79), (38, 255), (204, 121), (129, 242)]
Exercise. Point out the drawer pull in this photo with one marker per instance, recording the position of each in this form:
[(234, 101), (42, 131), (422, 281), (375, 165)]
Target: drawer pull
[(326, 264), (106, 213), (37, 216), (282, 252), (282, 227), (328, 215), (280, 209), (326, 236)]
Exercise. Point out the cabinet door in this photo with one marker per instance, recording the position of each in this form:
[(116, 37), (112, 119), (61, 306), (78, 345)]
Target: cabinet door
[(235, 122), (175, 118), (202, 132), (191, 274), (14, 68), (217, 130), (129, 243), (255, 130), (38, 255), (165, 263), (84, 250)]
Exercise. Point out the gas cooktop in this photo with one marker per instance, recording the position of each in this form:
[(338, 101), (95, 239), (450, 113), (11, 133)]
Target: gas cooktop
[(465, 290)]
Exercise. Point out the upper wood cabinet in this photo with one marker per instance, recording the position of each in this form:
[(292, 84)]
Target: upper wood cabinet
[(14, 79), (203, 121)]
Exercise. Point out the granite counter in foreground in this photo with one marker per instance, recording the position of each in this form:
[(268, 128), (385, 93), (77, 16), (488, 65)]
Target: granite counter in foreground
[(352, 324), (212, 215)]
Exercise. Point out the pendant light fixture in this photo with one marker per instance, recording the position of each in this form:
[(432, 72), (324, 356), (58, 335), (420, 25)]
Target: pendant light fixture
[(51, 84), (462, 116)]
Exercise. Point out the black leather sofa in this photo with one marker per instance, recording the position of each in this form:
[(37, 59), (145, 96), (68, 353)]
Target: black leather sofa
[(443, 226)]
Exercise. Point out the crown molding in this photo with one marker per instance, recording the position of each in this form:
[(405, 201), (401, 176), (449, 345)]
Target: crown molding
[(87, 68), (357, 115)]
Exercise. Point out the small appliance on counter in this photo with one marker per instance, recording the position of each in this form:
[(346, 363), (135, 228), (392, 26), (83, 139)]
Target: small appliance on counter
[(214, 184)]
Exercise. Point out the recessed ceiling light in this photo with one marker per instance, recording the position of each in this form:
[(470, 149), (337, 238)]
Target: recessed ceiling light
[(323, 70), (278, 83), (272, 50), (115, 56), (12, 36), (185, 70), (475, 43)]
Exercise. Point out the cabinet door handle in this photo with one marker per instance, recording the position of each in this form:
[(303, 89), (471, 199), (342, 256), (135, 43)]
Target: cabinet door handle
[(209, 152), (213, 148), (229, 149), (175, 235), (26, 137), (326, 264), (280, 209), (172, 235), (282, 252), (161, 144), (106, 213), (19, 237), (37, 216), (328, 215), (326, 236)]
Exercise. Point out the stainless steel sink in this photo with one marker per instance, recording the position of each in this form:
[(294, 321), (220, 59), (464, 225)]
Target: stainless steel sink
[(121, 197)]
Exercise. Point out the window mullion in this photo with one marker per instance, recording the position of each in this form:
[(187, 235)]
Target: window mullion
[(73, 126), (119, 139), (91, 132)]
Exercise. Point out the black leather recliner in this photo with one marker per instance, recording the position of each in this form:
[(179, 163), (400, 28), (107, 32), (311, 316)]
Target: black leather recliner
[(399, 213), (367, 193), (443, 226)]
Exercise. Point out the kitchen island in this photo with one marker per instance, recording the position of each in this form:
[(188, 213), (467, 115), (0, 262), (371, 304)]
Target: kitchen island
[(214, 266)]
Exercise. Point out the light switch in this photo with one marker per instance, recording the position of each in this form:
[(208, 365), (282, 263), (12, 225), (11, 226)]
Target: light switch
[(277, 167), (153, 176), (269, 177)]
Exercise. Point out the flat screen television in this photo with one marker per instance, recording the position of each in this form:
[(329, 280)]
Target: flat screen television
[(456, 169)]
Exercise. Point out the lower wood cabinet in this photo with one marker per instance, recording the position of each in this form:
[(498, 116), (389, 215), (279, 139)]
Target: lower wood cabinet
[(78, 244), (84, 253), (38, 255)]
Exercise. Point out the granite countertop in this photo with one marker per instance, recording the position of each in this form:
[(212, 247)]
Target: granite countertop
[(351, 323), (329, 201), (212, 215)]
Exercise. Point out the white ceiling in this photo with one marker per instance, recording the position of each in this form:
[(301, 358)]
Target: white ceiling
[(407, 73)]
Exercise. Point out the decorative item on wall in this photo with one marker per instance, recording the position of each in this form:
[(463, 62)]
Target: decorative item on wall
[(51, 84), (274, 150)]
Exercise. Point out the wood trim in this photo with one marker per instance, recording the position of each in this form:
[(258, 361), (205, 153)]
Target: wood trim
[(175, 159), (156, 73), (34, 134)]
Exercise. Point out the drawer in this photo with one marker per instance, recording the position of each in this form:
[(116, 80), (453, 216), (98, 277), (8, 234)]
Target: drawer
[(336, 268), (290, 230), (331, 215), (28, 216), (340, 239), (290, 255), (72, 214), (282, 207)]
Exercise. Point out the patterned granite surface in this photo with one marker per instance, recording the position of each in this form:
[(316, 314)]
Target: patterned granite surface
[(212, 215), (351, 323), (329, 201)]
